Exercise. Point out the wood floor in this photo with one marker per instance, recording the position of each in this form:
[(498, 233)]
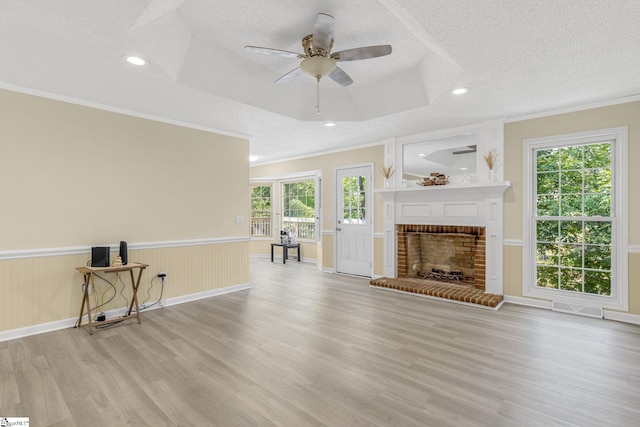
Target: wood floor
[(304, 348)]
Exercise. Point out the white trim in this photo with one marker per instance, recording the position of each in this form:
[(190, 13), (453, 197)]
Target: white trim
[(512, 242), (277, 259), (378, 235), (328, 270), (85, 103), (77, 250), (295, 176), (70, 322), (321, 153), (528, 302), (369, 195), (634, 249), (207, 294), (613, 315), (192, 242), (619, 299), (328, 232), (619, 316), (590, 106)]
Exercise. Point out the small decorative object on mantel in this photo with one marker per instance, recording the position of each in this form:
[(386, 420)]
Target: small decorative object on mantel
[(436, 178), (387, 171), (490, 158), (117, 262)]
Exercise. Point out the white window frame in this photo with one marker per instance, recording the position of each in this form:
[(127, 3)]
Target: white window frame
[(315, 204), (264, 184), (276, 200), (619, 298)]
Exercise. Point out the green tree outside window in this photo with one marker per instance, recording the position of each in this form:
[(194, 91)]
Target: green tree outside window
[(573, 218)]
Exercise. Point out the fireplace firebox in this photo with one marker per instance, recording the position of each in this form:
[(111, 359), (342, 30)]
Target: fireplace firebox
[(446, 253)]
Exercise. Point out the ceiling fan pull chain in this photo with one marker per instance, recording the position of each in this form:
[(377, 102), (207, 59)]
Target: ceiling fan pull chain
[(318, 94)]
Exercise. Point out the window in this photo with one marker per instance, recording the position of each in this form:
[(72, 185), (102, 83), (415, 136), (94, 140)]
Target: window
[(354, 199), (576, 249), (573, 218), (261, 211), (299, 208)]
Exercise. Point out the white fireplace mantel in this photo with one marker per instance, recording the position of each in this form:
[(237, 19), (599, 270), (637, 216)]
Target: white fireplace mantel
[(439, 191), (473, 204)]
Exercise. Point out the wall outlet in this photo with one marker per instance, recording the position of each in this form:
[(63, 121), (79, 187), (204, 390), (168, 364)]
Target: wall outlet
[(239, 219), (162, 274)]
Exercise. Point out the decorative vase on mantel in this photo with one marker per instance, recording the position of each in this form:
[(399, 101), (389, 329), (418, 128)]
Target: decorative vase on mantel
[(493, 176), (387, 172)]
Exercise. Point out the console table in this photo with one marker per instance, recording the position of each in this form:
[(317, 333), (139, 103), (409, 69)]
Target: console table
[(285, 250), (89, 272)]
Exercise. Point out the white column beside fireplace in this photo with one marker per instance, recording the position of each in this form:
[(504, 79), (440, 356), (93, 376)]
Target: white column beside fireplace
[(479, 204)]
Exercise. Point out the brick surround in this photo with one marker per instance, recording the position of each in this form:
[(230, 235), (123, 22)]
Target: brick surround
[(444, 247)]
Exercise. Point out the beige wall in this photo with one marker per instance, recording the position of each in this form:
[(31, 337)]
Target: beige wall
[(73, 176), (327, 164), (597, 118)]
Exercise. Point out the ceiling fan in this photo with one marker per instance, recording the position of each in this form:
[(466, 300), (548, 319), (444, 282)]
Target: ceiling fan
[(317, 59)]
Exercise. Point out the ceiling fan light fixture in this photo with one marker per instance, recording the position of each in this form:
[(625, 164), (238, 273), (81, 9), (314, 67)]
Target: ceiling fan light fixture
[(318, 66)]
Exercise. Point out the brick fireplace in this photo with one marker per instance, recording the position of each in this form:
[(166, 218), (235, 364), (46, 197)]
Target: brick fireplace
[(465, 214), (447, 253)]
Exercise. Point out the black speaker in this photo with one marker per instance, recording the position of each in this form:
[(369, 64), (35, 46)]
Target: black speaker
[(123, 252), (100, 256)]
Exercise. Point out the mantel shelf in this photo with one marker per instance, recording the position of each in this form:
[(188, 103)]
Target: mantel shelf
[(453, 189)]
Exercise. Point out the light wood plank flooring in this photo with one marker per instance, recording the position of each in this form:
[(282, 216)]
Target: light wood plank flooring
[(305, 348)]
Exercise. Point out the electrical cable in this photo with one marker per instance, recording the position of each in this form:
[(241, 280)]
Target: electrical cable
[(143, 306)]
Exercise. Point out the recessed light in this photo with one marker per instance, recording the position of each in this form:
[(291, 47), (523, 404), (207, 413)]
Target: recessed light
[(135, 60), (460, 90), (463, 169), (330, 124), (421, 155), (253, 158)]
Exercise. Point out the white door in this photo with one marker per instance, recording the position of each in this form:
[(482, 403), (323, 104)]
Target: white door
[(354, 229)]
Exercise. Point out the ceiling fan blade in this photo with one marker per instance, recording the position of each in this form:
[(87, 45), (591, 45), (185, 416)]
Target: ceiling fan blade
[(290, 75), (362, 53), (340, 77), (278, 52), (323, 32)]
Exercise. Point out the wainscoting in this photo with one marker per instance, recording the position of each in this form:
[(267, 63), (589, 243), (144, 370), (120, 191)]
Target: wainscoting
[(41, 290)]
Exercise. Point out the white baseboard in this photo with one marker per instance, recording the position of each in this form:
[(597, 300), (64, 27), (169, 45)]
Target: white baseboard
[(529, 302), (328, 270), (70, 323), (620, 316), (617, 316), (206, 294)]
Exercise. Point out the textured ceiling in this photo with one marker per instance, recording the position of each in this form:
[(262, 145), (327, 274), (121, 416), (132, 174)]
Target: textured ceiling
[(517, 57)]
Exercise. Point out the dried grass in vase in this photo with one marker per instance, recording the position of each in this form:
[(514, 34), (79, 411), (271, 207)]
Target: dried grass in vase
[(387, 171), (490, 158)]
